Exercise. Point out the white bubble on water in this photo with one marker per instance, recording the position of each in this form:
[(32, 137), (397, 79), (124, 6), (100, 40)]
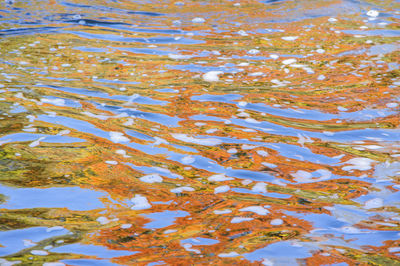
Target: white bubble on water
[(222, 189), (372, 13), (140, 203), (151, 178), (198, 20), (212, 76)]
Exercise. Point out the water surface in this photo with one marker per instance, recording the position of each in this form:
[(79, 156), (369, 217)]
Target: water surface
[(199, 132)]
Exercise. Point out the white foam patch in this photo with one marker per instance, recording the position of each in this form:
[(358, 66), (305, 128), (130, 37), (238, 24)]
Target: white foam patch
[(361, 164), (169, 231), (394, 249), (126, 226), (140, 203), (328, 133), (101, 117), (219, 178), (248, 147), (222, 189), (151, 178), (301, 175), (276, 222), (305, 177), (36, 142), (373, 147), (232, 151), (188, 159), (260, 187), (4, 262), (252, 121), (53, 264), (160, 141), (392, 105), (118, 137), (222, 211), (262, 153), (256, 209), (289, 61), (198, 20), (129, 122), (350, 230), (188, 247), (253, 51), (228, 255), (242, 32), (303, 139), (39, 252), (267, 262), (256, 74), (373, 203), (64, 132), (55, 228), (205, 141), (179, 56), (290, 38), (270, 165), (103, 220), (27, 243), (387, 170), (211, 130), (372, 13), (123, 153), (181, 189), (212, 76), (58, 102), (325, 174), (246, 181), (237, 220)]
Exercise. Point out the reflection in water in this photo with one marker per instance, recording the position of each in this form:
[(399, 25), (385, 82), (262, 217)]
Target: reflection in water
[(197, 132)]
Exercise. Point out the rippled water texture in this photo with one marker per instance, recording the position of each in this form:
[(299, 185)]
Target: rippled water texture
[(199, 132)]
